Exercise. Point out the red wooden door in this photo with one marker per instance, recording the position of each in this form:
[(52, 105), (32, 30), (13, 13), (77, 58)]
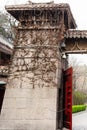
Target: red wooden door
[(67, 116)]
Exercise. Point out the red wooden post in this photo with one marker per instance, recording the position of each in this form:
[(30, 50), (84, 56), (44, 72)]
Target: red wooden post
[(68, 98)]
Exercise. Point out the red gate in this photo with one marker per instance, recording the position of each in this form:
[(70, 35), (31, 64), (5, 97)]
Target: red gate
[(67, 116)]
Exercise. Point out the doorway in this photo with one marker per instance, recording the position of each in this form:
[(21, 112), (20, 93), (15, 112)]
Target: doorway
[(2, 92)]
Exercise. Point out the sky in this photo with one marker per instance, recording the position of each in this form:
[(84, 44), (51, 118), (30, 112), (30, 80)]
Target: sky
[(78, 8), (81, 59)]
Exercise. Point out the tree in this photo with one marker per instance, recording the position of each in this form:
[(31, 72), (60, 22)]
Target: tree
[(75, 64), (79, 81), (7, 26)]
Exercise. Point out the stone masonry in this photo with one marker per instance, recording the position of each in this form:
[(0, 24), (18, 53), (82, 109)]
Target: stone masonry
[(30, 101)]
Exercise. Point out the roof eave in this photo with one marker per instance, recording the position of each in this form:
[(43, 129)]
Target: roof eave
[(14, 10)]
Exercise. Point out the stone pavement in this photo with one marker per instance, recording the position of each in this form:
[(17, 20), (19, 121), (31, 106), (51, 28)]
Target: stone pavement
[(79, 121)]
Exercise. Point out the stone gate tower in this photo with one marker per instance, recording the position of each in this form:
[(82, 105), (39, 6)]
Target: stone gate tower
[(30, 101)]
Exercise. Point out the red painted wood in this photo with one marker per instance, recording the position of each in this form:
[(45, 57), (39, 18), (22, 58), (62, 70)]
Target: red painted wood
[(68, 98)]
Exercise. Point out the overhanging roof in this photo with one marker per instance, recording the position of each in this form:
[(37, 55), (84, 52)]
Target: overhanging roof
[(5, 46), (41, 6), (15, 10)]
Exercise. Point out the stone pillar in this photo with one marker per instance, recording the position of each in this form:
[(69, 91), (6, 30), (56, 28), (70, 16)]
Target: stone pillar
[(30, 100)]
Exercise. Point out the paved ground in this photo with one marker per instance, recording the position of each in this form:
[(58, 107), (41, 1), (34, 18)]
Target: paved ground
[(79, 121)]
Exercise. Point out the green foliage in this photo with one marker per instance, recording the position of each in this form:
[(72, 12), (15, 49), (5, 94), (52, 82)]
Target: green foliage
[(6, 26), (3, 18), (79, 98), (78, 108)]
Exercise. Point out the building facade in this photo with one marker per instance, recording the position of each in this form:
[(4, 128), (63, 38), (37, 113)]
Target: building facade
[(6, 50), (5, 55)]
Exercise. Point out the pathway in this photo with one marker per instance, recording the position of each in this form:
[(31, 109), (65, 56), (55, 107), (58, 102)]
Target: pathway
[(79, 121)]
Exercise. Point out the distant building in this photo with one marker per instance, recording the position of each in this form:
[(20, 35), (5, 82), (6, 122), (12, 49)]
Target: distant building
[(6, 50)]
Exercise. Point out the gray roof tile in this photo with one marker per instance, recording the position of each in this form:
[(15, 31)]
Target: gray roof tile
[(76, 34)]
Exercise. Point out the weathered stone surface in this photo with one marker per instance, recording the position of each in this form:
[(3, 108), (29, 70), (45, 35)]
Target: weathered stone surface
[(35, 62)]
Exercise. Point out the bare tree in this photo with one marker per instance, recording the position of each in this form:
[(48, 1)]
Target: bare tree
[(79, 73), (79, 81), (75, 64)]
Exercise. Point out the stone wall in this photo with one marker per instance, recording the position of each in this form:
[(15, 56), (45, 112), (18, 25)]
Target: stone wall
[(30, 101)]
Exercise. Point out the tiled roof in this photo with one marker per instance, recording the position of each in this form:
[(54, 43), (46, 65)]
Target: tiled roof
[(5, 46), (37, 6), (16, 10), (76, 34), (4, 42)]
